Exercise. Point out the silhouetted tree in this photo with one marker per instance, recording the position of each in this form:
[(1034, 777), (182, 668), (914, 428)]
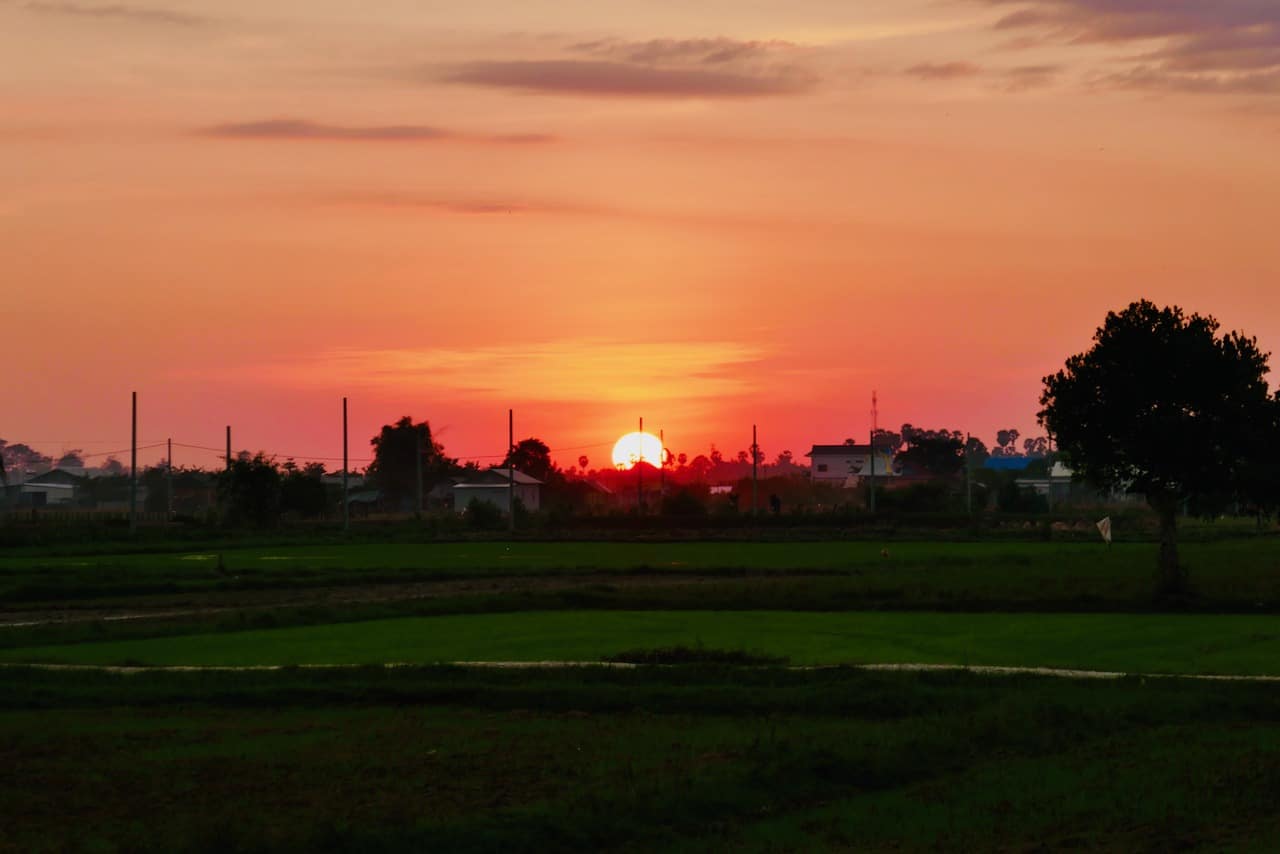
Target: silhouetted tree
[(886, 440), (935, 453), (394, 467), (1260, 478), (112, 467), (533, 457), (700, 467), (1006, 443), (976, 451), (249, 491), (1035, 447), (24, 460), (302, 490), (72, 459), (582, 463), (1162, 405)]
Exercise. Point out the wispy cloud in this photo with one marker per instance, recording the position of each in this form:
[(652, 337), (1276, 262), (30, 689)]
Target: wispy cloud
[(717, 51), (301, 129), (943, 70), (1025, 77), (570, 370), (603, 78), (1197, 46), (141, 14), (668, 68)]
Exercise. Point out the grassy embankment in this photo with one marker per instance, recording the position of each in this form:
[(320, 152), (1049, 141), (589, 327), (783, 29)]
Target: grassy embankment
[(1139, 643)]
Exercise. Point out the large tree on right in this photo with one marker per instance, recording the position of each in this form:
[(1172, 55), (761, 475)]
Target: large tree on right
[(1163, 405)]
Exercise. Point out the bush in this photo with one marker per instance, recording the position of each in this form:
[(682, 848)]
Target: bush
[(483, 515)]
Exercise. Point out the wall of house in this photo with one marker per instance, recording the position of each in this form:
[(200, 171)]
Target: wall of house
[(839, 468), (497, 495)]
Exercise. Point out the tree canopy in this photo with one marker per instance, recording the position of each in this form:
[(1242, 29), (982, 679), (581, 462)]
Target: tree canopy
[(394, 469), (1162, 405), (533, 457)]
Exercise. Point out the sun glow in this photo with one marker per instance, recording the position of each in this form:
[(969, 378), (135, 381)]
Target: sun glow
[(634, 447)]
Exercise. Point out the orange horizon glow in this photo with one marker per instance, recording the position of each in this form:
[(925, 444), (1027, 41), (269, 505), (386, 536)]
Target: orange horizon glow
[(715, 214)]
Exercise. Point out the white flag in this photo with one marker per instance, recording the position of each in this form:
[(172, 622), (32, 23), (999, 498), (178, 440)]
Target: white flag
[(1104, 528)]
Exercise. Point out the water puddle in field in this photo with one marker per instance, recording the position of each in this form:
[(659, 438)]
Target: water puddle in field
[(197, 557)]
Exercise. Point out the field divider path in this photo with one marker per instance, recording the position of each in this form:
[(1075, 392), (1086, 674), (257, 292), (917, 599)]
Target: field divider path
[(976, 669)]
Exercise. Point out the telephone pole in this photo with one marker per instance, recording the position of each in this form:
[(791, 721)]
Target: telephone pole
[(662, 467), (228, 447), (968, 478), (168, 470), (639, 470), (133, 470), (755, 456), (346, 505), (417, 435), (511, 470)]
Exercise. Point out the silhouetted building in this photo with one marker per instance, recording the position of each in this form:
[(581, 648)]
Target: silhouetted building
[(846, 465)]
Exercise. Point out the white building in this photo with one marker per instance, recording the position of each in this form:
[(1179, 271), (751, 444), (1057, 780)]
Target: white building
[(846, 465), (493, 487)]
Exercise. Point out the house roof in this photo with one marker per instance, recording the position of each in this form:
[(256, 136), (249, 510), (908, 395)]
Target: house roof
[(61, 474), (840, 450), (1018, 463), (496, 476)]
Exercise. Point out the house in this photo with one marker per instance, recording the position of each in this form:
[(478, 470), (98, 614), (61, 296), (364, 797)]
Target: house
[(57, 486), (494, 487), (364, 503), (846, 465), (1009, 463), (40, 494), (1056, 486)]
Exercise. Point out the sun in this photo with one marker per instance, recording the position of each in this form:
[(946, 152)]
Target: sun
[(634, 447)]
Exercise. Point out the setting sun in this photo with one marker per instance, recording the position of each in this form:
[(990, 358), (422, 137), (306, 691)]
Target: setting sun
[(634, 447)]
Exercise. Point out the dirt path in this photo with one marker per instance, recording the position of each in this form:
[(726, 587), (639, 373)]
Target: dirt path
[(976, 669)]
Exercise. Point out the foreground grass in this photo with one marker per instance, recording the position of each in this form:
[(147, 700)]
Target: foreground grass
[(669, 759), (1240, 574), (1150, 643)]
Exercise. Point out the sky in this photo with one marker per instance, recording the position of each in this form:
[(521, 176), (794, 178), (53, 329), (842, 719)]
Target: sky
[(706, 213)]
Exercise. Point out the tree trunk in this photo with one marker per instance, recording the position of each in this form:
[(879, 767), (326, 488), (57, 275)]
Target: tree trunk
[(1172, 579)]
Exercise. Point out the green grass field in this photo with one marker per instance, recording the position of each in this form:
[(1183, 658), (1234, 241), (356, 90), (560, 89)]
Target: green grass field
[(1148, 643), (689, 757), (650, 760), (1243, 573)]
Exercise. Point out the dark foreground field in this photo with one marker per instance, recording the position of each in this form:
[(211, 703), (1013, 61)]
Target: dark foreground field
[(694, 758), (667, 756)]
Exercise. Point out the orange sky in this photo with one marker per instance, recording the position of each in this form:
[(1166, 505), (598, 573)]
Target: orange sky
[(707, 213)]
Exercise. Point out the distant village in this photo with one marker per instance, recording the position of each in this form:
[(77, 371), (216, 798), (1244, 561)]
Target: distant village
[(910, 470)]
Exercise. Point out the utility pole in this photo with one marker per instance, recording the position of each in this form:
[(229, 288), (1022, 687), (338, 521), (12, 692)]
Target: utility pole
[(639, 470), (228, 447), (755, 455), (874, 415), (417, 435), (1048, 457), (346, 505), (133, 470), (968, 478), (662, 467), (169, 477), (511, 470)]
